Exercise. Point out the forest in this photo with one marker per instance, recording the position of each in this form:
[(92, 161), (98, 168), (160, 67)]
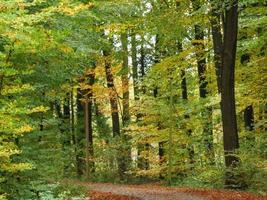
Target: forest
[(169, 92)]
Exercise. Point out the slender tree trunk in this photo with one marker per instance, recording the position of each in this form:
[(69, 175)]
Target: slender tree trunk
[(125, 82), (86, 126), (142, 59), (66, 132), (63, 117), (143, 161), (249, 118), (66, 117), (88, 109), (134, 66), (126, 149), (73, 133), (248, 111), (101, 123), (203, 83), (112, 96), (79, 135), (230, 134), (114, 109), (217, 42), (73, 138), (190, 147), (161, 151)]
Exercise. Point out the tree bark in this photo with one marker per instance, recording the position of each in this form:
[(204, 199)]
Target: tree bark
[(249, 118), (125, 82), (88, 112), (114, 110), (142, 162), (203, 83), (80, 164), (134, 66), (63, 116), (230, 135), (217, 42), (155, 94), (190, 147), (126, 148), (66, 117), (248, 111), (73, 133), (112, 96)]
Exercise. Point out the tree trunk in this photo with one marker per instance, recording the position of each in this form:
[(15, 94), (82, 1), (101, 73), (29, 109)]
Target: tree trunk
[(126, 149), (88, 109), (217, 42), (79, 135), (249, 118), (134, 66), (64, 117), (112, 96), (201, 66), (190, 147), (114, 109), (142, 162), (248, 112), (73, 133), (230, 134), (142, 59), (161, 151), (125, 82)]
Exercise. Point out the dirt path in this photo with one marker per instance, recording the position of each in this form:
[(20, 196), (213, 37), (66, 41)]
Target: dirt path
[(109, 191), (143, 193)]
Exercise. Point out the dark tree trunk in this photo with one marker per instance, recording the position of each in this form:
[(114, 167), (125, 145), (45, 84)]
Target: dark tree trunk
[(80, 164), (101, 123), (161, 151), (66, 117), (230, 134), (248, 112), (249, 118), (125, 82), (203, 83), (228, 86), (114, 110), (64, 124), (73, 133), (126, 148), (217, 42), (66, 133), (142, 162), (201, 61), (190, 147), (88, 112), (112, 96)]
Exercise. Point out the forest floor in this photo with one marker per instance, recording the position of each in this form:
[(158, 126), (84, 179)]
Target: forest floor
[(109, 191)]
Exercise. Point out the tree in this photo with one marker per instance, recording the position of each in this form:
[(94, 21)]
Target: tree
[(203, 83), (88, 123), (230, 135)]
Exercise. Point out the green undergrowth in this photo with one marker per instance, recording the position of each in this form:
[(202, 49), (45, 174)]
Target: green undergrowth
[(43, 190)]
